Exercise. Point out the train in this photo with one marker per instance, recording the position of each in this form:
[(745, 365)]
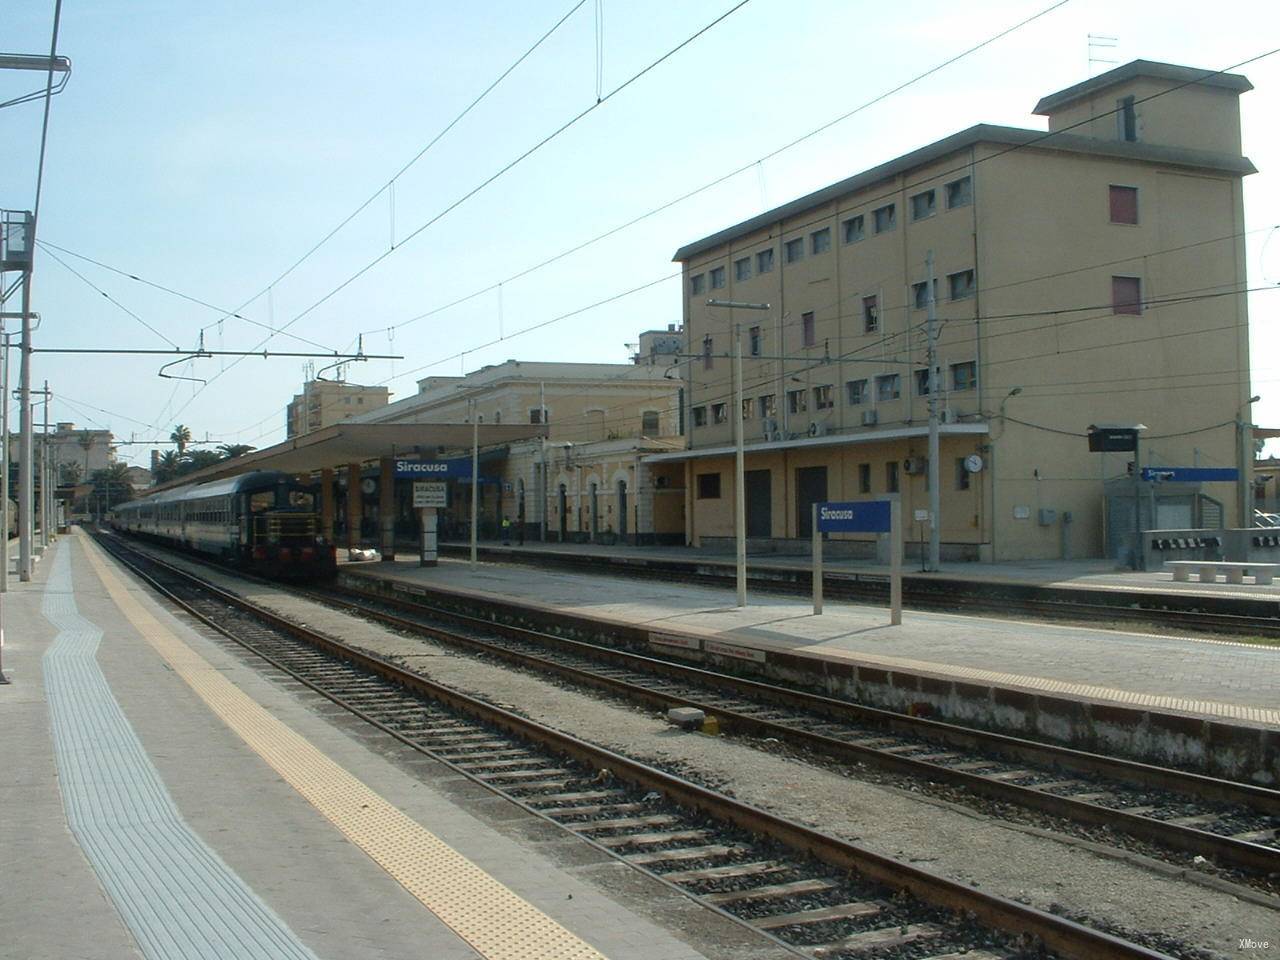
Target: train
[(264, 522)]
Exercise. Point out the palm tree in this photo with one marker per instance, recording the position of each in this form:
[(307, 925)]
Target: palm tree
[(232, 450), (69, 473), (113, 483), (181, 436), (167, 466)]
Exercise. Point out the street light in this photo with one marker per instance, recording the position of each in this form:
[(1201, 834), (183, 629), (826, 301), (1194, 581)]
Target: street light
[(1244, 456), (43, 64), (739, 483)]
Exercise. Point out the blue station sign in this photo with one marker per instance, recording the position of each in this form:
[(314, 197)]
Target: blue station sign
[(1190, 474), (856, 516), (455, 469)]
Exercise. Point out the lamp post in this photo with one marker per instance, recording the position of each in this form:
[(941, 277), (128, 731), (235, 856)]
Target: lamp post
[(739, 483), (991, 454), (1244, 456)]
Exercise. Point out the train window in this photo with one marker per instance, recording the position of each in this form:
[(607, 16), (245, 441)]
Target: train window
[(301, 500), (263, 500)]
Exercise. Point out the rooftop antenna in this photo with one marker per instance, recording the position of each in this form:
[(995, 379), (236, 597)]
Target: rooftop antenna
[(1098, 41)]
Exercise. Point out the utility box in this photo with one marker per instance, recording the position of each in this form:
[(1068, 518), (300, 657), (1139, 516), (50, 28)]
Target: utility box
[(1047, 517), (16, 240)]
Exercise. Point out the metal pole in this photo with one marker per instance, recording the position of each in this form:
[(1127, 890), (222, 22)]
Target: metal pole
[(26, 449), (1139, 563), (4, 459), (817, 562), (45, 499), (544, 487), (475, 478), (935, 485), (895, 560), (740, 492)]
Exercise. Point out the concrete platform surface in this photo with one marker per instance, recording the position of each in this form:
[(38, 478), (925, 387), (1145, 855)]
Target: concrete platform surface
[(1091, 574), (1221, 680), (133, 741)]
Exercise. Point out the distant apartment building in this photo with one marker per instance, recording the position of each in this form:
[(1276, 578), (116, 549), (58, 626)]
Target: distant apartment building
[(76, 453), (323, 403), (1088, 275), (660, 347), (586, 481)]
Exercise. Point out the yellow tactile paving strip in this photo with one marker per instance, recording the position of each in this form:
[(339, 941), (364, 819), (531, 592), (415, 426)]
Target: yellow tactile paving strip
[(496, 922)]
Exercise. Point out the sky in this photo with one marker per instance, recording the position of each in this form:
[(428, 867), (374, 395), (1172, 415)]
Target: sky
[(208, 149)]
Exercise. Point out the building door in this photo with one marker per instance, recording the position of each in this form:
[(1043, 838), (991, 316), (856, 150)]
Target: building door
[(759, 503), (564, 513), (811, 488), (622, 509)]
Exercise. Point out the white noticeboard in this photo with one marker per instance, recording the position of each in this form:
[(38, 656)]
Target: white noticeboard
[(430, 493)]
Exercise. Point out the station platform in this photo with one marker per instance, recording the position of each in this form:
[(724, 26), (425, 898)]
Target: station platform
[(162, 797), (1076, 575), (1174, 699)]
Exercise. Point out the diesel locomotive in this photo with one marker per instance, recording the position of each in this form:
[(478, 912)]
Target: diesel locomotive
[(265, 522)]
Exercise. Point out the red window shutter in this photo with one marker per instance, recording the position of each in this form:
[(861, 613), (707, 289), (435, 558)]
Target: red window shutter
[(1126, 295), (1124, 204)]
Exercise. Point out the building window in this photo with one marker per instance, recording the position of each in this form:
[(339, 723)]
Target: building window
[(854, 229), (920, 293), (1126, 120), (1124, 204), (820, 241), (891, 477), (856, 391), (962, 475), (1126, 295), (870, 315), (888, 387), (864, 478), (497, 416), (961, 284), (698, 283), (823, 398), (768, 405), (720, 412), (764, 261), (708, 486), (807, 332), (886, 218), (747, 406), (922, 381), (650, 423), (699, 416), (754, 341), (742, 269), (964, 376), (924, 205), (717, 278), (797, 401), (795, 250), (706, 353), (959, 193)]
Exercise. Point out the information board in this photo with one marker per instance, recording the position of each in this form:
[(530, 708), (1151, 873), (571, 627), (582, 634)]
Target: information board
[(430, 493), (1190, 474), (855, 516)]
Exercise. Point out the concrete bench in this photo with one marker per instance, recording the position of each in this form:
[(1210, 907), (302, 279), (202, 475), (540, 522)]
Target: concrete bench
[(1208, 570)]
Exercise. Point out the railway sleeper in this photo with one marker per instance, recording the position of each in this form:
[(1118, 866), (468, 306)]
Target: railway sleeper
[(756, 868), (710, 851), (855, 910), (773, 891), (882, 939)]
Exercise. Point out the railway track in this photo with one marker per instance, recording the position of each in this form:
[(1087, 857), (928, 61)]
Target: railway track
[(1192, 613), (1233, 824), (812, 893)]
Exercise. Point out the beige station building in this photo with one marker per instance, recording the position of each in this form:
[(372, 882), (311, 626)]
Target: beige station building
[(322, 403), (1090, 274), (587, 480)]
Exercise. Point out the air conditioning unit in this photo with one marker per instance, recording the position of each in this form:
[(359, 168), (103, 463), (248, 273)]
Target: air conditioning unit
[(870, 418), (949, 416), (817, 428), (914, 465)]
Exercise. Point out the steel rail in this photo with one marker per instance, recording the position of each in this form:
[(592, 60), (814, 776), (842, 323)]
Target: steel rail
[(1225, 850), (1067, 937)]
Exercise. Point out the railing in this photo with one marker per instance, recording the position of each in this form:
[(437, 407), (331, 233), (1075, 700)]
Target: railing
[(282, 527)]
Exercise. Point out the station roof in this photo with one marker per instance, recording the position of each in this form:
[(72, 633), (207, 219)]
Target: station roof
[(345, 443)]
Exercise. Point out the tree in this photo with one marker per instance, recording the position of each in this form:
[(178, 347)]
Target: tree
[(197, 460), (181, 436), (69, 473), (167, 466), (112, 484), (230, 451)]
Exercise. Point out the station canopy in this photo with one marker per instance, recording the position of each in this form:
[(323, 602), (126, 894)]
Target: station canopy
[(345, 443)]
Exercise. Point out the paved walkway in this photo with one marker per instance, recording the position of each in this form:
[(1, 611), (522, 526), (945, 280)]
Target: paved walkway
[(1224, 680), (1068, 574), (163, 799)]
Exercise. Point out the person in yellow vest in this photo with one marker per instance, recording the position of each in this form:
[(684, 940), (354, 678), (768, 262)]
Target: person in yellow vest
[(506, 531)]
